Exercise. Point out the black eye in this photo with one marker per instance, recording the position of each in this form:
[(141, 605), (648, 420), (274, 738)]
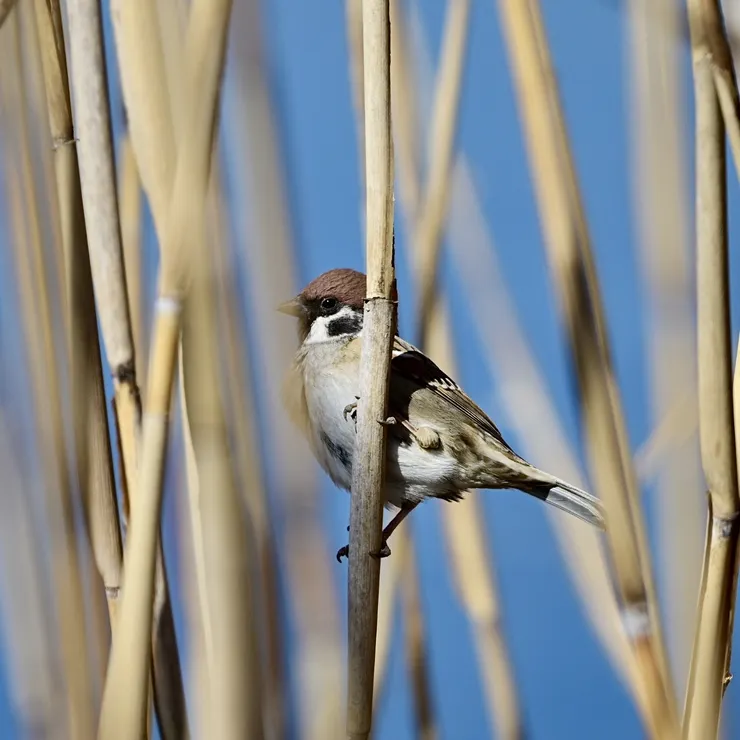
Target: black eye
[(329, 304)]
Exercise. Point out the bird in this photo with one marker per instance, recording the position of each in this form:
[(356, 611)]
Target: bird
[(440, 443)]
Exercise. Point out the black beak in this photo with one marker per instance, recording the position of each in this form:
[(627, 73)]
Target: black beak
[(293, 307)]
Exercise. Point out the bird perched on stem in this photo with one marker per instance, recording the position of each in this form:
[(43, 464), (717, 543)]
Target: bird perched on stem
[(440, 443)]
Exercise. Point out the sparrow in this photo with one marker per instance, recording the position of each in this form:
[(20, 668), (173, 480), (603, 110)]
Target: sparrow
[(440, 444)]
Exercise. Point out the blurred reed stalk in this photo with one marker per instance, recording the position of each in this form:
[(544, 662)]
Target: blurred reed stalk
[(430, 219), (23, 104), (426, 210), (130, 210), (569, 250), (30, 658), (124, 701), (92, 441), (379, 326), (709, 673), (660, 197), (97, 170), (267, 256), (233, 707), (5, 7)]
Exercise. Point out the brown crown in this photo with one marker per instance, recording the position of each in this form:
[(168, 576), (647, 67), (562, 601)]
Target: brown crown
[(344, 284), (348, 286)]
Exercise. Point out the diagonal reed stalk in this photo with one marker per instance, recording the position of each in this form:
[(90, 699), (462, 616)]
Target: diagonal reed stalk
[(660, 199), (571, 261), (379, 324), (92, 441), (125, 699), (710, 658)]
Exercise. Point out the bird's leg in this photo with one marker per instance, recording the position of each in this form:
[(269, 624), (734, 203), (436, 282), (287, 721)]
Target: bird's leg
[(384, 551)]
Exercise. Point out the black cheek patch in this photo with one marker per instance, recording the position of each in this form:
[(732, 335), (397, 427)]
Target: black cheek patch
[(344, 325), (336, 451)]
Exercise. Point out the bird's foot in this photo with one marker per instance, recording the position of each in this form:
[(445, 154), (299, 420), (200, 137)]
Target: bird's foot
[(389, 422), (351, 410), (384, 552)]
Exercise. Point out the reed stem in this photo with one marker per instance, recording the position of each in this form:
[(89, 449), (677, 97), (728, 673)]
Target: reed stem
[(366, 512)]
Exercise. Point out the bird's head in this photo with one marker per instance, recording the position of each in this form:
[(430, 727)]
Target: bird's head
[(329, 307)]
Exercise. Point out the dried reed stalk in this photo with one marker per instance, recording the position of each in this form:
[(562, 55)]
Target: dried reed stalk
[(233, 707), (30, 655), (37, 294), (570, 256), (98, 184), (401, 572), (130, 210), (250, 475), (267, 255), (427, 234), (660, 199), (124, 700), (466, 539), (709, 663), (706, 21), (92, 442), (5, 7), (366, 512)]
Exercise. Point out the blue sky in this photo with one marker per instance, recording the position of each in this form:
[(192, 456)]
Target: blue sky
[(568, 689)]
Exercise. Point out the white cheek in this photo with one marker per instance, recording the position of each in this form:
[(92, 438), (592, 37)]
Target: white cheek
[(319, 331)]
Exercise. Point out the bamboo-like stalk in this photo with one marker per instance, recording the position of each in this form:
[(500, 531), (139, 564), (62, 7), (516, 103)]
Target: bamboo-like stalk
[(92, 120), (570, 257), (431, 218), (366, 512), (233, 706), (705, 18), (402, 571), (708, 672), (124, 701), (660, 200), (130, 210), (92, 443), (38, 312), (97, 175), (250, 475)]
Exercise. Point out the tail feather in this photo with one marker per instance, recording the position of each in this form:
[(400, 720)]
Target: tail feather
[(571, 499)]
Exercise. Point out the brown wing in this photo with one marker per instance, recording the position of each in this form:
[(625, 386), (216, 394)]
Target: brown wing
[(417, 368)]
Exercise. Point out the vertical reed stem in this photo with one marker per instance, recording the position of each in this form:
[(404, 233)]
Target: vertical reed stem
[(708, 673), (366, 513)]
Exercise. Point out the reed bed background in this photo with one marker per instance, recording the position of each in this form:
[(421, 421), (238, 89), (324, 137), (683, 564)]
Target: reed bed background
[(552, 185)]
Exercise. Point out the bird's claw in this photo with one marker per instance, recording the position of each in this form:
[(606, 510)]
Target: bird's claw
[(384, 552), (389, 422)]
